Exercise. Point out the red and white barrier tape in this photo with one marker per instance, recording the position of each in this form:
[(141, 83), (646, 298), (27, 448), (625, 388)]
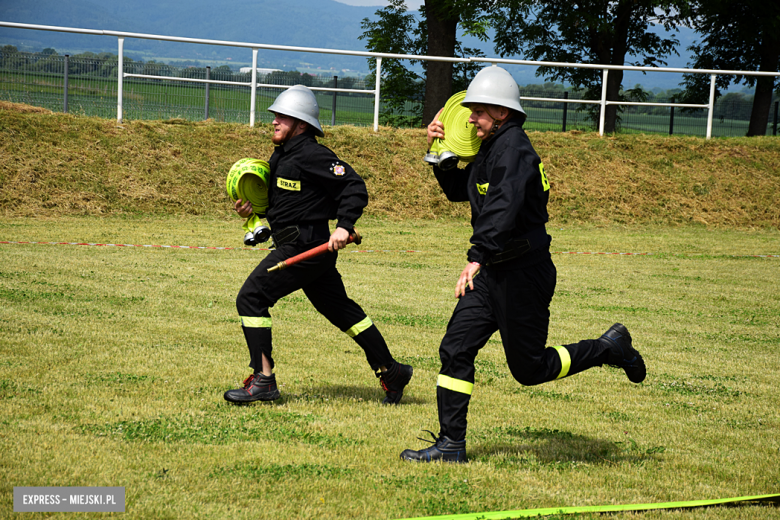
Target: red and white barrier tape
[(189, 247), (119, 245), (356, 251), (652, 254)]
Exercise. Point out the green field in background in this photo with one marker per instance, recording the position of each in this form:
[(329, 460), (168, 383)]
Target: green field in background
[(155, 100)]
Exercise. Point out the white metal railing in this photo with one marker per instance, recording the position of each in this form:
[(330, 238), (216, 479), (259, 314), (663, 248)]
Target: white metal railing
[(603, 102), (255, 48), (710, 106)]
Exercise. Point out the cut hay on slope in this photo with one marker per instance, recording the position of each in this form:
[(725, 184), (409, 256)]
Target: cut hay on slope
[(58, 164)]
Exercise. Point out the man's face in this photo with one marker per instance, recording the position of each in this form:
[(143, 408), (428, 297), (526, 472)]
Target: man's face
[(482, 119), (285, 128)]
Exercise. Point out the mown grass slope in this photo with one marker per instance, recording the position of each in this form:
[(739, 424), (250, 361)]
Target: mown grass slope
[(57, 164)]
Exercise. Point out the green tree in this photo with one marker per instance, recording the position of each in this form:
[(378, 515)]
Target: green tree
[(736, 35), (48, 62), (434, 34), (464, 72), (588, 31), (394, 32), (441, 24), (12, 59), (734, 105), (222, 73), (193, 72), (347, 82), (585, 31), (442, 19)]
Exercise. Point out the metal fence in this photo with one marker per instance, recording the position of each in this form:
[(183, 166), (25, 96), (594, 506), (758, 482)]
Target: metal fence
[(160, 91), (41, 80), (730, 116)]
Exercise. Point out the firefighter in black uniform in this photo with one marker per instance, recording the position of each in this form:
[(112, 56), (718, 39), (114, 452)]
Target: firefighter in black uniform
[(510, 278), (308, 186)]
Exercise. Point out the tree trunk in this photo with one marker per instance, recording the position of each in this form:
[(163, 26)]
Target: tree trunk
[(762, 101), (442, 28), (617, 56)]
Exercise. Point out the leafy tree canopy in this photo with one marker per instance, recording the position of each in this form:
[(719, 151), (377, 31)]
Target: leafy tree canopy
[(584, 31), (736, 35), (588, 31), (433, 33)]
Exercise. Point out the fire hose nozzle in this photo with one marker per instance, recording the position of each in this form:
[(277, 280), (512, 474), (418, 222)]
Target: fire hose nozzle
[(278, 267)]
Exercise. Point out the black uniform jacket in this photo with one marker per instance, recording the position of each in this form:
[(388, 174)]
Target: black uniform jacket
[(506, 187), (309, 183)]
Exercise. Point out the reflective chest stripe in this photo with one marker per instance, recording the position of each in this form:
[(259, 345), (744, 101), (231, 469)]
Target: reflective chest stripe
[(287, 184), (482, 188)]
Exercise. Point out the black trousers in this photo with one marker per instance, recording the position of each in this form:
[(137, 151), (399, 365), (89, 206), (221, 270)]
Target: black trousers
[(321, 282), (515, 300)]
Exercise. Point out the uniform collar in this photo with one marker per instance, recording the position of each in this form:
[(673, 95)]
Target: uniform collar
[(296, 141), (510, 123)]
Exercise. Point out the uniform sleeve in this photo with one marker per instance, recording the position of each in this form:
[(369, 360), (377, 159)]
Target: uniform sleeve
[(342, 183), (504, 200), (454, 183)]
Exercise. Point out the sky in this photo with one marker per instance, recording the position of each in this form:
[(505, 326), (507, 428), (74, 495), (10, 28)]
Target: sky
[(411, 4)]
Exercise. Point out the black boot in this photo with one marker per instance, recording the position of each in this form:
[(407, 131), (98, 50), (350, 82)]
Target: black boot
[(394, 380), (257, 387), (443, 449), (622, 354)]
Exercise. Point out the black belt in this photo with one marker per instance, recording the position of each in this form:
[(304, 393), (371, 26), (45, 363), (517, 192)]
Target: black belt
[(517, 247), (286, 235)]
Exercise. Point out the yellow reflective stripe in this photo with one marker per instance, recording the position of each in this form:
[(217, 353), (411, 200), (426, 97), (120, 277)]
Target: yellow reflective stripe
[(565, 361), (251, 322), (456, 385), (482, 188), (287, 184), (359, 327), (545, 182)]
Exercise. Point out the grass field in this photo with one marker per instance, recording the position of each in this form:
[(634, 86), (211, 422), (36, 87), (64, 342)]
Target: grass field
[(114, 361)]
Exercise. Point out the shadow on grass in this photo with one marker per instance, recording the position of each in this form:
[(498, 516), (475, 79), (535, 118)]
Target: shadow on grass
[(346, 393), (554, 449)]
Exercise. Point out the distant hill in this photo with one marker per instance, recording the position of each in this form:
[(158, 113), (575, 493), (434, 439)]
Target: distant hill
[(304, 23)]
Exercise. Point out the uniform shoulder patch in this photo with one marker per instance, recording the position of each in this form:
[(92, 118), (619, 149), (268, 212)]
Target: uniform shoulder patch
[(338, 169)]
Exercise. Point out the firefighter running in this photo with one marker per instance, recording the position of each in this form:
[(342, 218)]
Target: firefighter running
[(510, 278), (308, 186)]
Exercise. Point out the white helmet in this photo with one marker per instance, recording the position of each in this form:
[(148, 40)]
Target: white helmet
[(494, 86), (299, 102)]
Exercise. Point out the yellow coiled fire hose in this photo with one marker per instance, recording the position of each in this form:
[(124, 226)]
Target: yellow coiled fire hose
[(248, 180), (460, 137)]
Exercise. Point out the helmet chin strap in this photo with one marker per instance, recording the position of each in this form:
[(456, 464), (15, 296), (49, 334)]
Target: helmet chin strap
[(496, 123)]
